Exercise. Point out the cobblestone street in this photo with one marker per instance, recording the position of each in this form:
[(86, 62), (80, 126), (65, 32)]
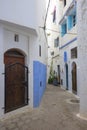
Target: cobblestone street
[(56, 112)]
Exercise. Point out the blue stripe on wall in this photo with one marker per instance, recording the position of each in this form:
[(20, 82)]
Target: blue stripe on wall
[(39, 82), (68, 43)]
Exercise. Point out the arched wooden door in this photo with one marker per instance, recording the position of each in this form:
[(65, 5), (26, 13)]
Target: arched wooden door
[(16, 80), (74, 78)]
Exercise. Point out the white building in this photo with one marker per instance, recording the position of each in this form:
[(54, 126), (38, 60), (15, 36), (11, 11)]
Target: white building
[(68, 45), (72, 54), (22, 59), (53, 38), (82, 55)]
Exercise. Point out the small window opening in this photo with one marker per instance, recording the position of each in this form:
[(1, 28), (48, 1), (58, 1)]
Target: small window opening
[(39, 50), (64, 2), (16, 38)]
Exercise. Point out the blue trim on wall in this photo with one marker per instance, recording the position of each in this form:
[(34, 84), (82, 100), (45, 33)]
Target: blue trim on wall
[(39, 82), (68, 43)]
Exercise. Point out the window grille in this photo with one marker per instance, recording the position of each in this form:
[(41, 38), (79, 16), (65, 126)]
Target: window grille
[(74, 53)]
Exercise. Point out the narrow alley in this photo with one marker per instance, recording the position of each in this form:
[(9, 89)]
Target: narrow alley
[(56, 112)]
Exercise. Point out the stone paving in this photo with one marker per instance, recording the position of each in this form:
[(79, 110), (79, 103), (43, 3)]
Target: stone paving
[(56, 112)]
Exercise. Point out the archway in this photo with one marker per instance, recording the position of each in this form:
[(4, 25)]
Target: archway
[(16, 80), (74, 78)]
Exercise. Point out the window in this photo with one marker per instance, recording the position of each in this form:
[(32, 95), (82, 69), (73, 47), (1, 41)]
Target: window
[(56, 42), (54, 14), (74, 20), (74, 53), (64, 2), (39, 50), (63, 29), (16, 38), (52, 53), (71, 21)]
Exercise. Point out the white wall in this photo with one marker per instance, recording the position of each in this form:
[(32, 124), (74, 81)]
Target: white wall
[(82, 47), (7, 42), (53, 33), (41, 12), (68, 37), (22, 12), (69, 62), (10, 43), (1, 72)]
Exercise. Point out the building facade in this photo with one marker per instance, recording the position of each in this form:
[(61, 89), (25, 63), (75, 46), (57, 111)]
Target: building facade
[(82, 55), (53, 40), (68, 45), (22, 59), (71, 55)]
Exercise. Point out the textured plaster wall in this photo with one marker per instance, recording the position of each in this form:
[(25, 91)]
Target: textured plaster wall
[(67, 39), (82, 46)]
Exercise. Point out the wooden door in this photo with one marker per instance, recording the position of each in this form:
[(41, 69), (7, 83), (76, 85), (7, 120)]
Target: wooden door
[(74, 78), (14, 82)]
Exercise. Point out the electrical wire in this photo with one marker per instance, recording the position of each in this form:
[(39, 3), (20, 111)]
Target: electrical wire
[(60, 32)]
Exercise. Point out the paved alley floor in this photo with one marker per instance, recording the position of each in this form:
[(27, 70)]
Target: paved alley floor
[(56, 112)]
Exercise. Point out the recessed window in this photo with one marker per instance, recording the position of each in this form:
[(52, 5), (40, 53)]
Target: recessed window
[(54, 14), (16, 38), (39, 50), (63, 29), (74, 53), (71, 21), (52, 53), (64, 2), (74, 20), (56, 42)]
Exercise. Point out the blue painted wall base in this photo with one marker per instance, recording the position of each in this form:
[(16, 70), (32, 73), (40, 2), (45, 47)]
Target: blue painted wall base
[(39, 82)]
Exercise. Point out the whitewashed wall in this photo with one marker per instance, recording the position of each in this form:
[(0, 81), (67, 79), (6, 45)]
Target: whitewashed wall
[(1, 73), (53, 33), (82, 47), (68, 37), (69, 62)]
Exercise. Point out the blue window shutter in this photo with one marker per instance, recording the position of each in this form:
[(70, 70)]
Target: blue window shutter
[(62, 30), (69, 22)]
